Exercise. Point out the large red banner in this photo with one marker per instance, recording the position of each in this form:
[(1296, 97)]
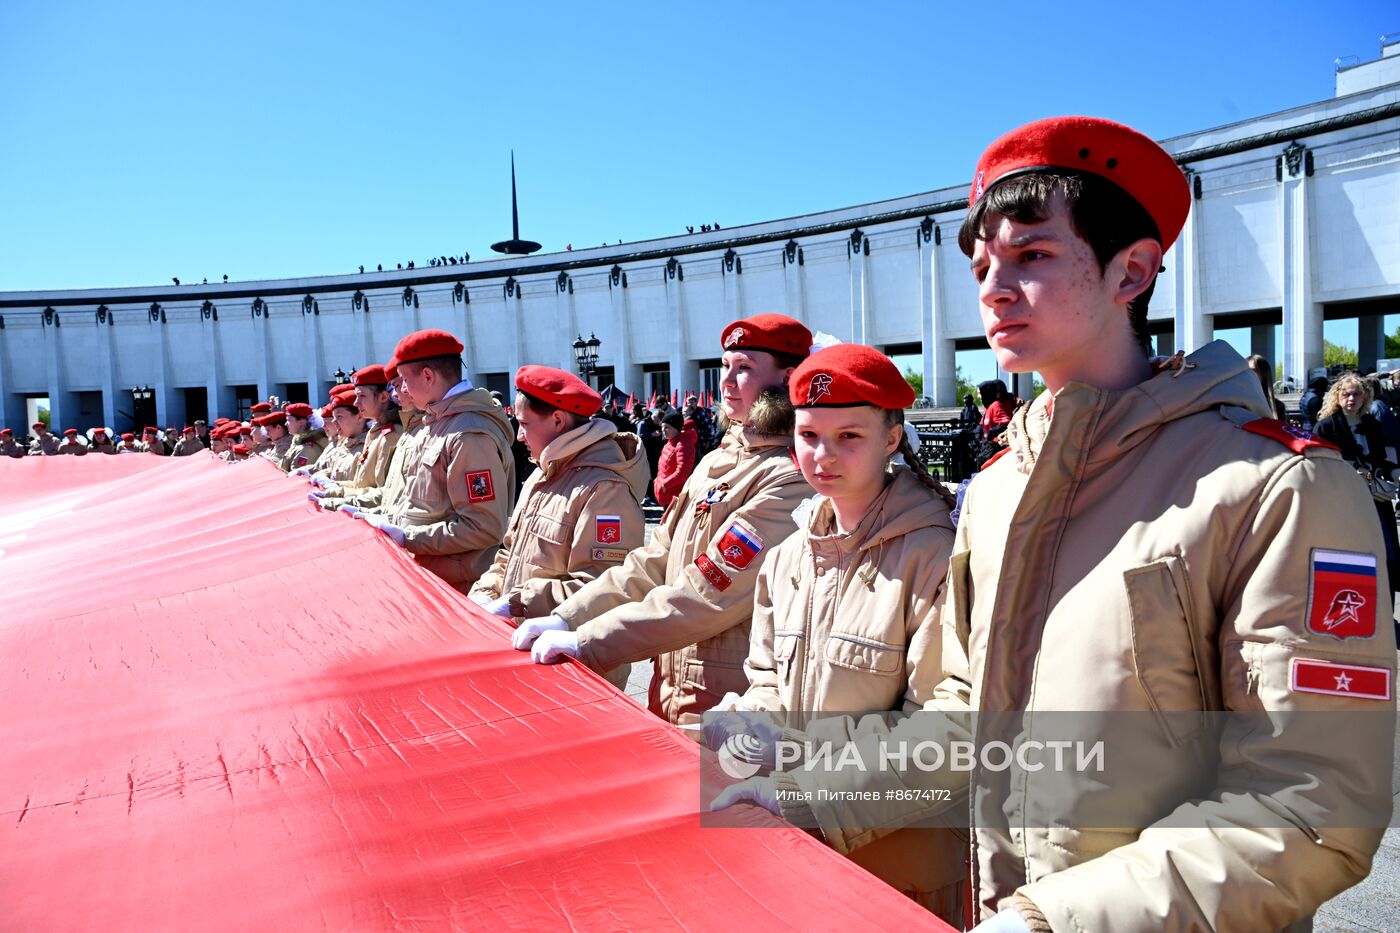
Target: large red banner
[(221, 709)]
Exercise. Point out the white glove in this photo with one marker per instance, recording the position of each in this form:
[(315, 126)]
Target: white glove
[(301, 471), (499, 607), (758, 735), (350, 510), (1007, 921), (391, 531), (314, 497), (321, 482), (481, 599), (553, 647), (525, 634), (758, 790)]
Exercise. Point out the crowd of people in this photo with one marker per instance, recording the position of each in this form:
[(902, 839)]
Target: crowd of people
[(1144, 536)]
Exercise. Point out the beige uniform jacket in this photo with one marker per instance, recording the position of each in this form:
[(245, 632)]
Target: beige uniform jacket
[(47, 445), (341, 461), (385, 498), (460, 482), (276, 452), (188, 447), (681, 599), (75, 447), (579, 514), (372, 464), (11, 448), (1143, 550), (106, 447), (303, 451), (833, 618)]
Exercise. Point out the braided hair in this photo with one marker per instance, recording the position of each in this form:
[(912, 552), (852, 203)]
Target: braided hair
[(895, 416)]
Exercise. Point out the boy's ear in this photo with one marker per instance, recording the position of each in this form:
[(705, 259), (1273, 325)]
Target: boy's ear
[(1134, 268)]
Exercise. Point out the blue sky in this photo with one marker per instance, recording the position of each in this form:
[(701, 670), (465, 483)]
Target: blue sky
[(154, 139)]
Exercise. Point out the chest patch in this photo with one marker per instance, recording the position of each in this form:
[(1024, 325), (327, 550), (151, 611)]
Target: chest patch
[(479, 488), (607, 529), (739, 545), (1309, 675), (713, 497), (1342, 594), (301, 461)]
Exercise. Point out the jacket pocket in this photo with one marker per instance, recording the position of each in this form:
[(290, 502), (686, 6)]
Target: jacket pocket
[(1165, 656), (867, 655), (960, 593)]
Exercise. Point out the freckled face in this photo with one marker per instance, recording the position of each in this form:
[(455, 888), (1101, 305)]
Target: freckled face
[(1045, 303)]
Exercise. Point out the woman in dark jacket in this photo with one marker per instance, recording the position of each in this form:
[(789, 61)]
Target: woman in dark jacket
[(1345, 421)]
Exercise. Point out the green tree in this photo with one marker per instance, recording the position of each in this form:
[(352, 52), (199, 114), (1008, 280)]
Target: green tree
[(1334, 355), (915, 380), (1392, 345)]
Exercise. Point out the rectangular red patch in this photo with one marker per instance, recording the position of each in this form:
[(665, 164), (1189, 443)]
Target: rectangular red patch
[(1342, 601), (479, 488), (718, 578), (1309, 675), (301, 461)]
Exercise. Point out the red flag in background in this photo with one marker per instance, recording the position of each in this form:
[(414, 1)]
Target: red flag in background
[(651, 403), (630, 403)]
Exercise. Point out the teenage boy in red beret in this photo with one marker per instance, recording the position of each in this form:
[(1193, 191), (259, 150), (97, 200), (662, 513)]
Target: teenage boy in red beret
[(71, 444), (188, 445), (686, 599), (459, 474), (9, 447), (1151, 545), (44, 443), (579, 514)]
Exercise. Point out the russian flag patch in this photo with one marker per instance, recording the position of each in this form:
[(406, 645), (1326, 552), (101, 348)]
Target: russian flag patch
[(1308, 675), (607, 529), (1342, 594), (739, 545)]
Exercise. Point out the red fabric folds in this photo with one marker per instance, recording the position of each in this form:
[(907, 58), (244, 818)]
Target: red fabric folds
[(221, 709)]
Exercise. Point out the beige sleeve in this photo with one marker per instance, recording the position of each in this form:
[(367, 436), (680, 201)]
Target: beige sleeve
[(642, 570), (760, 665), (695, 607), (477, 522), (1272, 827)]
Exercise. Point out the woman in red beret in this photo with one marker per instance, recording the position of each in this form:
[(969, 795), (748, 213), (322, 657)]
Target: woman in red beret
[(579, 514), (686, 599), (307, 438), (837, 642)]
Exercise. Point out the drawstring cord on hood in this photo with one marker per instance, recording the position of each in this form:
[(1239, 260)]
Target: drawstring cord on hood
[(1176, 363)]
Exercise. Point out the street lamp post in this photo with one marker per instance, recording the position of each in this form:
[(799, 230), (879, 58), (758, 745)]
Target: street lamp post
[(586, 355), (340, 376)]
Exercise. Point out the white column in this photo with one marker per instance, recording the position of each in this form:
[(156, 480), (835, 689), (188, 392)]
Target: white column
[(733, 300), (517, 340), (567, 318), (1302, 316), (162, 375), (463, 310), (940, 356), (105, 338), (316, 359), (6, 416), (214, 368), (857, 245), (685, 374), (1193, 326), (792, 280), (625, 372), (264, 351), (52, 373)]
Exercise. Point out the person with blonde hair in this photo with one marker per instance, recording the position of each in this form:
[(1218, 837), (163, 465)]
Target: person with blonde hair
[(1345, 421)]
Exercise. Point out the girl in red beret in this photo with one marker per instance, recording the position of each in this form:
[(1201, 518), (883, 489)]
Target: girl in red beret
[(685, 600), (838, 604)]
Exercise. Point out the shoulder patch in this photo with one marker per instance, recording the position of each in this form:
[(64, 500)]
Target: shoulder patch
[(479, 488), (1295, 439), (607, 529), (1342, 594), (739, 545)]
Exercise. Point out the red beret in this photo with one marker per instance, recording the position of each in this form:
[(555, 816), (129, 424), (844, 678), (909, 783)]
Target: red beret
[(1093, 146), (220, 421), (346, 400), (150, 431), (298, 410), (776, 333), (70, 432), (558, 388), (424, 344), (391, 369), (6, 432), (371, 375), (38, 424), (849, 374), (271, 418), (241, 449), (128, 437), (327, 409), (188, 429), (261, 408)]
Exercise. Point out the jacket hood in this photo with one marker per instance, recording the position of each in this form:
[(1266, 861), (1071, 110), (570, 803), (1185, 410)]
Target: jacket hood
[(1213, 377), (476, 402), (770, 422), (315, 435), (355, 442), (598, 444), (906, 505)]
